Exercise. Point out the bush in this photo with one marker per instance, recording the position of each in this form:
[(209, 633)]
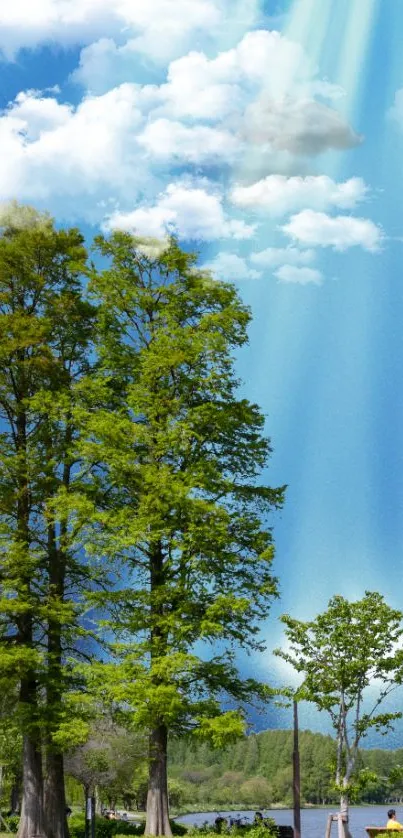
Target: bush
[(105, 828), (266, 830), (126, 828), (12, 822), (178, 828)]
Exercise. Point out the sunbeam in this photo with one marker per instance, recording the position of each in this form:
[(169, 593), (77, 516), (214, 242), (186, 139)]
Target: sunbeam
[(308, 24), (337, 38), (245, 15), (353, 53)]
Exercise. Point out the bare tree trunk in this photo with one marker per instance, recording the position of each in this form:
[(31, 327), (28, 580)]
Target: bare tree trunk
[(157, 820), (15, 797), (98, 801), (54, 796), (54, 791), (344, 805), (31, 822)]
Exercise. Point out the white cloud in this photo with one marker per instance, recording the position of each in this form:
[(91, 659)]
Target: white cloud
[(192, 213), (272, 257), (299, 125), (159, 28), (262, 58), (72, 158), (265, 89), (279, 195), (316, 229), (166, 140), (299, 276), (39, 114), (231, 267), (97, 159)]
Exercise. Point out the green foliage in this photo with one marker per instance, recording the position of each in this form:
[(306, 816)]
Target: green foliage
[(178, 504), (130, 491), (112, 761), (45, 332), (12, 822), (253, 772), (340, 654), (114, 829), (265, 831), (104, 828), (211, 778)]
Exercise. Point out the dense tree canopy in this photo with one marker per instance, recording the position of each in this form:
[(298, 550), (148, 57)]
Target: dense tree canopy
[(130, 497), (45, 338), (185, 514)]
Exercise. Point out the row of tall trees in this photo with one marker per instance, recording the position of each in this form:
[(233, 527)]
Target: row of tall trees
[(133, 526)]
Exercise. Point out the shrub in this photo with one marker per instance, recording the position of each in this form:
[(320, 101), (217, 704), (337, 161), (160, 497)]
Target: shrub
[(267, 830), (114, 829), (12, 822)]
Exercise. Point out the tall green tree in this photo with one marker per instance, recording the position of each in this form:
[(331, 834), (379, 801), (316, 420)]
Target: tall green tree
[(180, 457), (45, 329), (347, 649)]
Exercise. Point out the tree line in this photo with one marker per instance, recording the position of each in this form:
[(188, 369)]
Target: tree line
[(257, 771), (133, 518)]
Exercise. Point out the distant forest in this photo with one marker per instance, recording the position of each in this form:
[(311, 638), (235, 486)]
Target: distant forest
[(257, 771)]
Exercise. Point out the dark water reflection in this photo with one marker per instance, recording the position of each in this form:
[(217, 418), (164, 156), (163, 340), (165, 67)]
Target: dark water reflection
[(313, 821)]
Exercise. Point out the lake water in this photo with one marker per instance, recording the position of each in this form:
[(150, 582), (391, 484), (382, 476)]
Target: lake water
[(313, 821)]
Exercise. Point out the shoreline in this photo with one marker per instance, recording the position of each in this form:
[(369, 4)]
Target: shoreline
[(279, 807)]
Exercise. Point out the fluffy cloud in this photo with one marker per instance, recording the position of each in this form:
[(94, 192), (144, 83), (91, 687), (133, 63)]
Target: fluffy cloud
[(96, 160), (301, 126), (300, 276), (265, 88), (230, 267), (159, 28), (262, 58), (279, 195), (53, 151), (272, 257), (316, 229), (166, 140), (192, 213)]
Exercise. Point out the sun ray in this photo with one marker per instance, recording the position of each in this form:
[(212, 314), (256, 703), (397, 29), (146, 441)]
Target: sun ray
[(308, 24), (353, 53), (337, 38), (245, 15)]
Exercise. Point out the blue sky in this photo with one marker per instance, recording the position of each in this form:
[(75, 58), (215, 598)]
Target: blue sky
[(270, 136)]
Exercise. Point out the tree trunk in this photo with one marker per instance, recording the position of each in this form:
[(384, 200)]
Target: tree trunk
[(15, 797), (157, 820), (98, 801), (31, 822), (54, 792), (55, 797), (344, 804), (87, 823)]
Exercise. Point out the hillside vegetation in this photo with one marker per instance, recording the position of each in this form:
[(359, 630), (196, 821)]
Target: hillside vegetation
[(257, 771)]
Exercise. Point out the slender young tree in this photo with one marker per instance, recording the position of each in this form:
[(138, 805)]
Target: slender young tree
[(179, 458), (351, 647), (44, 336)]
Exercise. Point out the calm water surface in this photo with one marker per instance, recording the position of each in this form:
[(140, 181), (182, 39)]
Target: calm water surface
[(313, 821)]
